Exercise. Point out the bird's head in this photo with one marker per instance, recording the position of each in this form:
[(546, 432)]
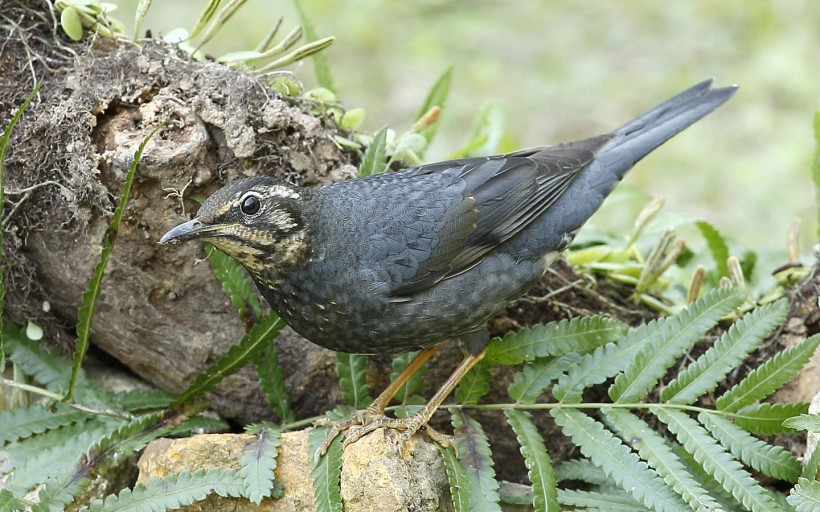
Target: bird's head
[(257, 220)]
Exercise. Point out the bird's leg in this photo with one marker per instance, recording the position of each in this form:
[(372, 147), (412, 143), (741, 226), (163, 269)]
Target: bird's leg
[(375, 411), (411, 424)]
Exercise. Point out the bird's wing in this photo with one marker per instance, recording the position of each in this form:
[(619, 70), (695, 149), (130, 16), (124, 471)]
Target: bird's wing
[(500, 196)]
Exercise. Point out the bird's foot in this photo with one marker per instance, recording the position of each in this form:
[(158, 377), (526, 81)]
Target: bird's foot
[(359, 425)]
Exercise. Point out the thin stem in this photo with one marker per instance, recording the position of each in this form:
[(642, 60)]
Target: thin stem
[(57, 397)]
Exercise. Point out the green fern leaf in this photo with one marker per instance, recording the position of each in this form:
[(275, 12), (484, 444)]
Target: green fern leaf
[(582, 470), (27, 421), (272, 383), (327, 472), (656, 450), (86, 312), (728, 352), (172, 492), (673, 336), (19, 452), (236, 284), (475, 384), (766, 419), (580, 334), (262, 334), (770, 460), (258, 463), (811, 465), (805, 497), (351, 371), (374, 160), (414, 383), (598, 501), (128, 437), (769, 377), (46, 368), (460, 485), (59, 492), (717, 246), (717, 461), (61, 460), (808, 422), (536, 459), (8, 503), (619, 463), (135, 400), (536, 375), (476, 457)]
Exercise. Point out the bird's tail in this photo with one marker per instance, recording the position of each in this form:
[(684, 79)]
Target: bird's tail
[(639, 137)]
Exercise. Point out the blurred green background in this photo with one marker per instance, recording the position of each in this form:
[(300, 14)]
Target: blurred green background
[(564, 69)]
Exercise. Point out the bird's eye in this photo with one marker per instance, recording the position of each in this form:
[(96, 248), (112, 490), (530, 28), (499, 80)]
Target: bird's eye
[(250, 205)]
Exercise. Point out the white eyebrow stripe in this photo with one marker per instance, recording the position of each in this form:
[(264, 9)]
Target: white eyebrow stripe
[(282, 191)]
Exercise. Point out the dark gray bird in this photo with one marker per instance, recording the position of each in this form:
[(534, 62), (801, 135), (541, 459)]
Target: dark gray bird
[(407, 260)]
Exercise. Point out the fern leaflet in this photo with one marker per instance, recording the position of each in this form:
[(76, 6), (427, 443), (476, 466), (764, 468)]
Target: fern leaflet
[(326, 472), (460, 486), (656, 451), (23, 422), (728, 352), (805, 497), (536, 375), (351, 371), (619, 463), (767, 419), (674, 335), (475, 456), (770, 376), (717, 461), (770, 460), (272, 383), (599, 501), (475, 384), (258, 463), (536, 459)]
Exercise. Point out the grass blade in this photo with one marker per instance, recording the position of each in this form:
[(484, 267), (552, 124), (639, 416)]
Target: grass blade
[(86, 313)]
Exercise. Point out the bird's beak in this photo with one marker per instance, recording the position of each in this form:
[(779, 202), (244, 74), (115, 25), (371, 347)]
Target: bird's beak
[(190, 230)]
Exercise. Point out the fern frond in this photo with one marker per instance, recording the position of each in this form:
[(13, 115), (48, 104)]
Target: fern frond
[(262, 334), (769, 377), (21, 451), (582, 470), (717, 461), (47, 369), (258, 463), (770, 460), (460, 485), (60, 491), (23, 422), (599, 501), (536, 375), (603, 363), (61, 460), (272, 383), (172, 492), (655, 450), (8, 503), (619, 463), (766, 419), (717, 246), (475, 384), (728, 352), (127, 438), (536, 459), (807, 422), (476, 457), (135, 400), (805, 497), (579, 334), (326, 473), (673, 336), (351, 371)]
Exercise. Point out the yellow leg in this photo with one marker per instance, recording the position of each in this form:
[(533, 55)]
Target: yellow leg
[(374, 412), (412, 424)]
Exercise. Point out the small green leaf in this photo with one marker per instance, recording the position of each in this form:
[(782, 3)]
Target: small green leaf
[(536, 459), (262, 334), (272, 383), (71, 23), (352, 119), (326, 473), (351, 371), (204, 17), (717, 246), (460, 485), (258, 463), (92, 293), (766, 419), (437, 97), (375, 157), (486, 133), (809, 422), (475, 384), (805, 497), (536, 375)]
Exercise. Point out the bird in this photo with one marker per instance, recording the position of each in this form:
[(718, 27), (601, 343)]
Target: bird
[(406, 260)]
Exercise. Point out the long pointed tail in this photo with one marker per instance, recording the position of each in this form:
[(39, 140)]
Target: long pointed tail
[(639, 137)]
